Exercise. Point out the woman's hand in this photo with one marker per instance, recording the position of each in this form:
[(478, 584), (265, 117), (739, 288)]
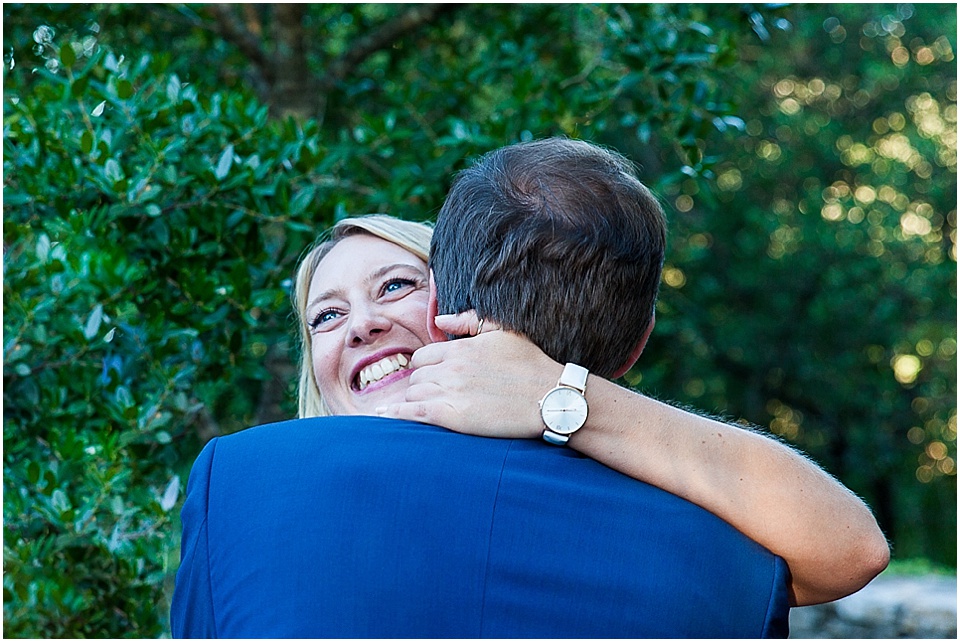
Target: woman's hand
[(486, 385)]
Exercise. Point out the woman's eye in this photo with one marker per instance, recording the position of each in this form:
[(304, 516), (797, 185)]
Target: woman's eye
[(393, 285), (323, 317)]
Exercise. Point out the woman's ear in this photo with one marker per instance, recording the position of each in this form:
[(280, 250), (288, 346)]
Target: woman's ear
[(436, 334), (635, 354)]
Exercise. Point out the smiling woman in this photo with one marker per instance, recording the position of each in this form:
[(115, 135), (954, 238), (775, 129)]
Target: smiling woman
[(361, 302), (367, 316)]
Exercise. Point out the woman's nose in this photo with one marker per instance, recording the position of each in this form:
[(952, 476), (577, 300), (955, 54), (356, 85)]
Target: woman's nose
[(367, 324)]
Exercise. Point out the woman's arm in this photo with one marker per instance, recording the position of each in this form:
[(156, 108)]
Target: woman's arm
[(773, 494), (489, 385)]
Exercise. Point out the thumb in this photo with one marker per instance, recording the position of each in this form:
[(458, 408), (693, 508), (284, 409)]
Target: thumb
[(462, 324)]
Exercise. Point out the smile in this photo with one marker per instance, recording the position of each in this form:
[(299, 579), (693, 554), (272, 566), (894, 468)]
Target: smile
[(381, 369)]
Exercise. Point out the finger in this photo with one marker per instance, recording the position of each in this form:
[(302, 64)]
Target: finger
[(431, 354), (423, 390), (465, 324), (428, 412), (448, 361), (460, 325)]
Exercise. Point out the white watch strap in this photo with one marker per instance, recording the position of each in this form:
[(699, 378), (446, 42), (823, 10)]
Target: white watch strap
[(574, 376), (555, 438)]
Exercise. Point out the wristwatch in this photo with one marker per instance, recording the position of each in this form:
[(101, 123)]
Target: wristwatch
[(564, 409)]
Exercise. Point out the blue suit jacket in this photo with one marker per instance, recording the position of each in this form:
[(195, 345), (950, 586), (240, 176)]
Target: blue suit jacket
[(370, 527)]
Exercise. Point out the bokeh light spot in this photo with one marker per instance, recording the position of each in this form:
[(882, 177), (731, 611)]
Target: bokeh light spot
[(906, 367), (674, 277)]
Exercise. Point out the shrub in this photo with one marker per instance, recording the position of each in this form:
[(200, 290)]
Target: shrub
[(149, 232)]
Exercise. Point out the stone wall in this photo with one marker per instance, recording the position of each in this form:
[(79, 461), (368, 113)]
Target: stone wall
[(890, 606)]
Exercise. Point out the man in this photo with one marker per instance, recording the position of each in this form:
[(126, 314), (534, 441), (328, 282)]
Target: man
[(558, 240), (366, 527)]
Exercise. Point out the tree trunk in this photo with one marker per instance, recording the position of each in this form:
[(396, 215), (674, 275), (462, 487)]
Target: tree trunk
[(294, 89)]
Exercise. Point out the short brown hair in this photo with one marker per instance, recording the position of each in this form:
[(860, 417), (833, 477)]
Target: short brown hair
[(556, 239)]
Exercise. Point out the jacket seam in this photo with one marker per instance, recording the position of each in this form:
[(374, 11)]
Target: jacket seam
[(206, 519), (493, 519)]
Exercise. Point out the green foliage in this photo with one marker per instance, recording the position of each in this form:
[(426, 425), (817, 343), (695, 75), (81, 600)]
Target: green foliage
[(919, 566), (156, 198), (141, 290), (152, 224), (812, 287)]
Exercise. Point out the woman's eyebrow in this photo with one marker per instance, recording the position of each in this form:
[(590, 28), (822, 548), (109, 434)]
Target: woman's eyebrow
[(378, 274), (390, 268), (326, 294)]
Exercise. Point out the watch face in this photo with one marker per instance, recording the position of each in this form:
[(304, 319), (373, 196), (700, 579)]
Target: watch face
[(564, 410)]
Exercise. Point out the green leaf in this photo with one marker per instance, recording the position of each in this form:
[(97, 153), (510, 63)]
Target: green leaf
[(51, 482), (124, 89), (173, 89), (43, 248), (98, 110), (116, 539), (170, 495), (692, 59), (644, 132), (297, 226), (59, 500), (93, 322), (161, 231), (303, 198), (112, 171), (33, 472), (223, 165), (123, 397), (79, 85), (701, 28), (15, 199), (234, 219), (86, 142), (67, 55)]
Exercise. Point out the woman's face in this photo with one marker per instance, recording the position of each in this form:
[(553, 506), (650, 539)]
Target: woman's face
[(367, 314)]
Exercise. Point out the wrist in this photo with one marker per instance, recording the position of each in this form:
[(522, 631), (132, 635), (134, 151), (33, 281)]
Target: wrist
[(564, 408)]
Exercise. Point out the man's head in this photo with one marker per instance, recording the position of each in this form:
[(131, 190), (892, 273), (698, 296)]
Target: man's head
[(556, 239)]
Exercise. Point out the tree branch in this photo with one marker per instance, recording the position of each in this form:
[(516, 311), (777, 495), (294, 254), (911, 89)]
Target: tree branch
[(232, 30), (254, 24), (380, 38)]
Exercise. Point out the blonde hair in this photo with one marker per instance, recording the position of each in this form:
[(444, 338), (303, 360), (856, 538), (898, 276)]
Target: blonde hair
[(413, 237)]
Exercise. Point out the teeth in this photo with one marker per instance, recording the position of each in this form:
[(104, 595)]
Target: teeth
[(377, 371)]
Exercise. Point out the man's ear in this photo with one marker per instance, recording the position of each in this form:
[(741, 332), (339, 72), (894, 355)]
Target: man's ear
[(635, 353), (436, 334)]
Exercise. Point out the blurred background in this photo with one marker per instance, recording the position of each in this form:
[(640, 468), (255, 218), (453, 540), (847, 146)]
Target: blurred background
[(165, 165)]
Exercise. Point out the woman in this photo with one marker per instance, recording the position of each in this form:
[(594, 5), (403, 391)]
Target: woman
[(410, 238), (361, 300)]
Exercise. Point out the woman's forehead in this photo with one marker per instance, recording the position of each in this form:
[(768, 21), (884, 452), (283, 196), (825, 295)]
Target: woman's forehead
[(357, 258)]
